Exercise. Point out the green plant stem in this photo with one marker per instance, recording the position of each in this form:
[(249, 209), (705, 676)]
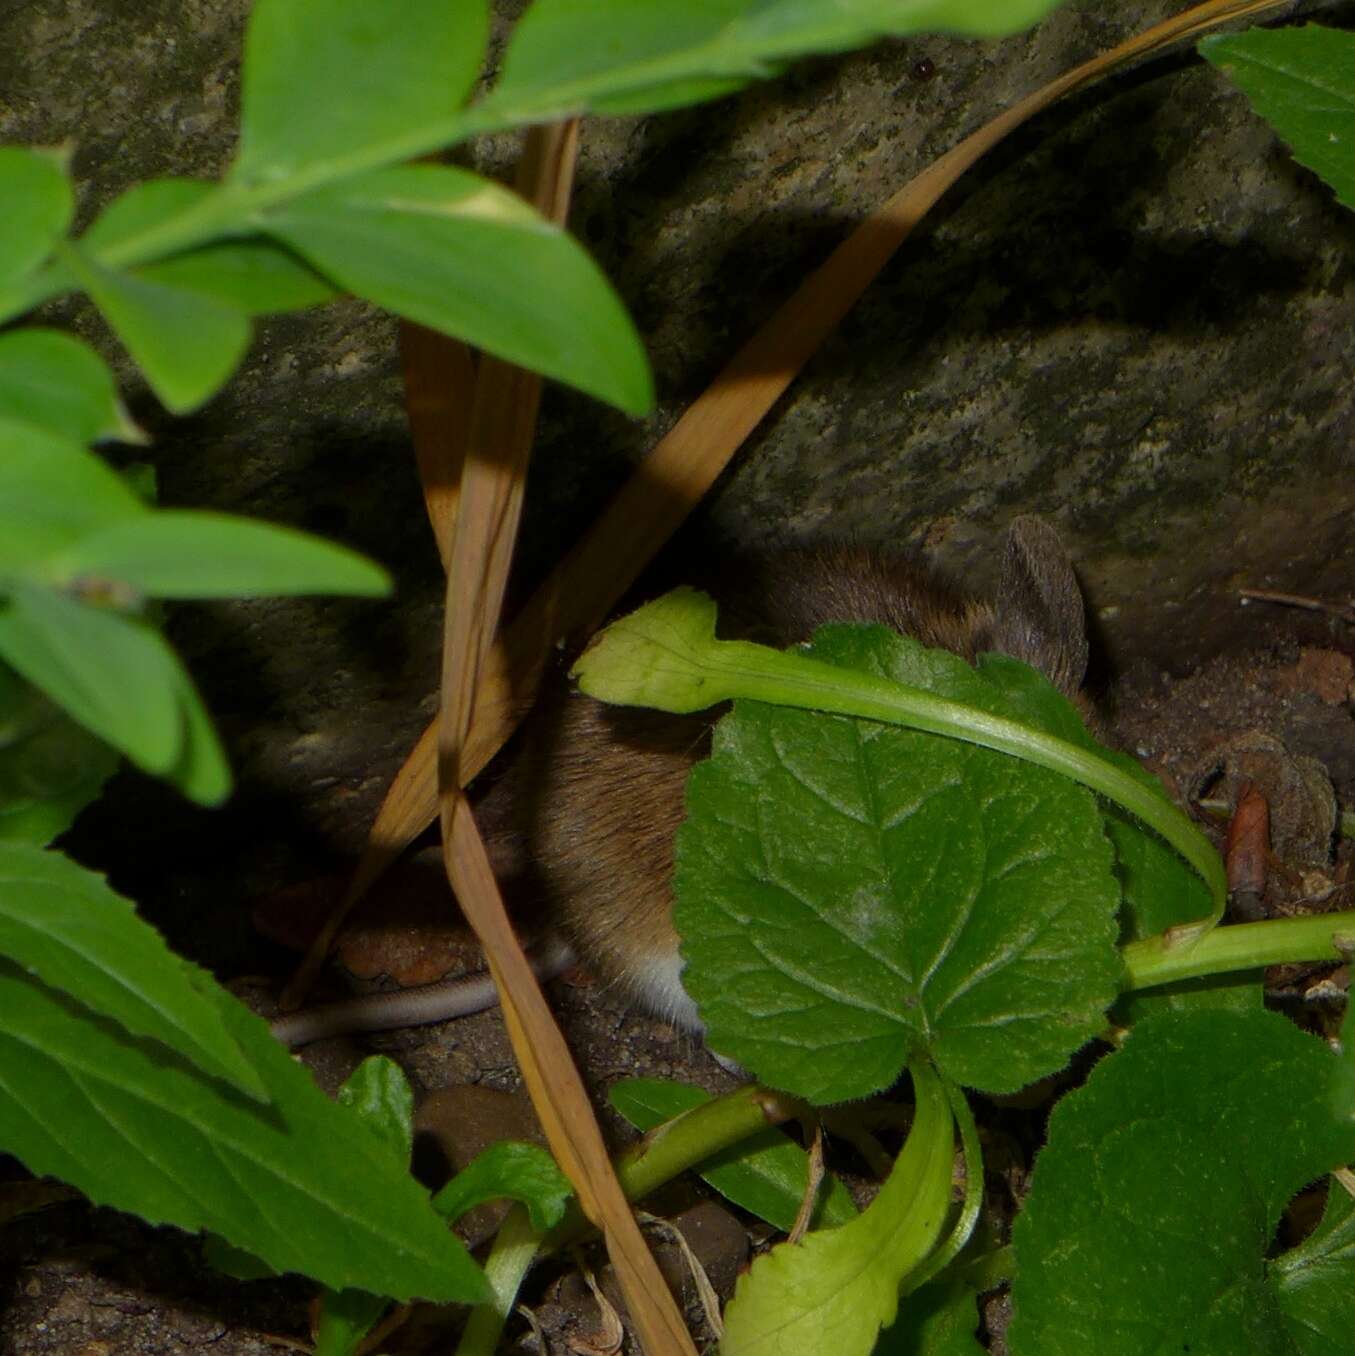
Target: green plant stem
[(666, 656), (1166, 958), (661, 1155), (973, 1194)]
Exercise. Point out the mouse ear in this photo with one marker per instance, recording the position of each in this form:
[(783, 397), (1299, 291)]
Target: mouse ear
[(1040, 617)]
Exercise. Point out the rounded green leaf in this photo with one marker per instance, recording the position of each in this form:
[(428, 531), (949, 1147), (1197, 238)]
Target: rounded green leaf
[(325, 80), (58, 383), (462, 255), (850, 893), (190, 553), (1154, 1203), (37, 209), (256, 276), (141, 208)]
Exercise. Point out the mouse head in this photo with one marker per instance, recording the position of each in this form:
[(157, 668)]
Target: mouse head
[(1038, 614)]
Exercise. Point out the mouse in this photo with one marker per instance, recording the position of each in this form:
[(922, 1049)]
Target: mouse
[(581, 821)]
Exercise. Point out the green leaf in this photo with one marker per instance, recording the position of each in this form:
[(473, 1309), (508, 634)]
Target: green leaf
[(346, 1317), (296, 1183), (256, 276), (201, 771), (616, 56), (462, 255), (1343, 1080), (831, 1293), (509, 1171), (1158, 889), (114, 674), (186, 343), (378, 1093), (1302, 81), (142, 208), (939, 1319), (326, 80), (1156, 1197), (1315, 1282), (851, 893), (63, 924), (766, 1174), (50, 767), (191, 553), (59, 384), (38, 209), (52, 493)]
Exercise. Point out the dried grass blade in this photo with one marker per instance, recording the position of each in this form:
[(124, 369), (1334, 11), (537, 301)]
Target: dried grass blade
[(671, 480)]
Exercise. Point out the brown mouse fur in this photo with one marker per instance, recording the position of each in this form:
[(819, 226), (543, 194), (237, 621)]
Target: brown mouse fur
[(584, 820), (581, 822)]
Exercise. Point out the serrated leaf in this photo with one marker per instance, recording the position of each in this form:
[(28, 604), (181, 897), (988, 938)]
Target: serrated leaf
[(509, 1171), (38, 208), (65, 925), (1316, 1281), (1302, 81), (53, 492), (615, 56), (59, 384), (192, 553), (1156, 1197), (296, 1183), (765, 1174), (186, 343), (398, 66), (460, 254), (114, 674), (833, 1291), (378, 1094), (255, 276), (851, 893)]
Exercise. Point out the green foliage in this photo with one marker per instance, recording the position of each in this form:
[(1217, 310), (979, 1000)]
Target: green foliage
[(295, 1181), (852, 894), (1191, 1140), (509, 1171), (1302, 81), (939, 1319), (57, 383), (1315, 1282), (38, 208), (765, 1174), (835, 1290)]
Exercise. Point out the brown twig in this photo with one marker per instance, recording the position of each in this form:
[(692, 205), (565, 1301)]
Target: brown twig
[(1342, 611)]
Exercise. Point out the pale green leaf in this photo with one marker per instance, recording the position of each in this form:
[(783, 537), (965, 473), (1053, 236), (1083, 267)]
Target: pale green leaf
[(325, 80), (52, 493), (850, 893), (509, 1171), (1155, 1201), (765, 1174), (378, 1093), (60, 384), (462, 255), (255, 276), (831, 1293), (141, 208), (186, 343), (63, 924), (615, 56), (297, 1183), (37, 209), (1302, 81), (191, 553)]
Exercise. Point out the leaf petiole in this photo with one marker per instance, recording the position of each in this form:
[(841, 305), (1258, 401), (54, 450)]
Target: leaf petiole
[(666, 655)]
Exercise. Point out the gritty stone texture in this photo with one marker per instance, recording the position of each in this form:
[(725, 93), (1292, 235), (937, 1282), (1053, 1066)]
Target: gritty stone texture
[(1134, 317)]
